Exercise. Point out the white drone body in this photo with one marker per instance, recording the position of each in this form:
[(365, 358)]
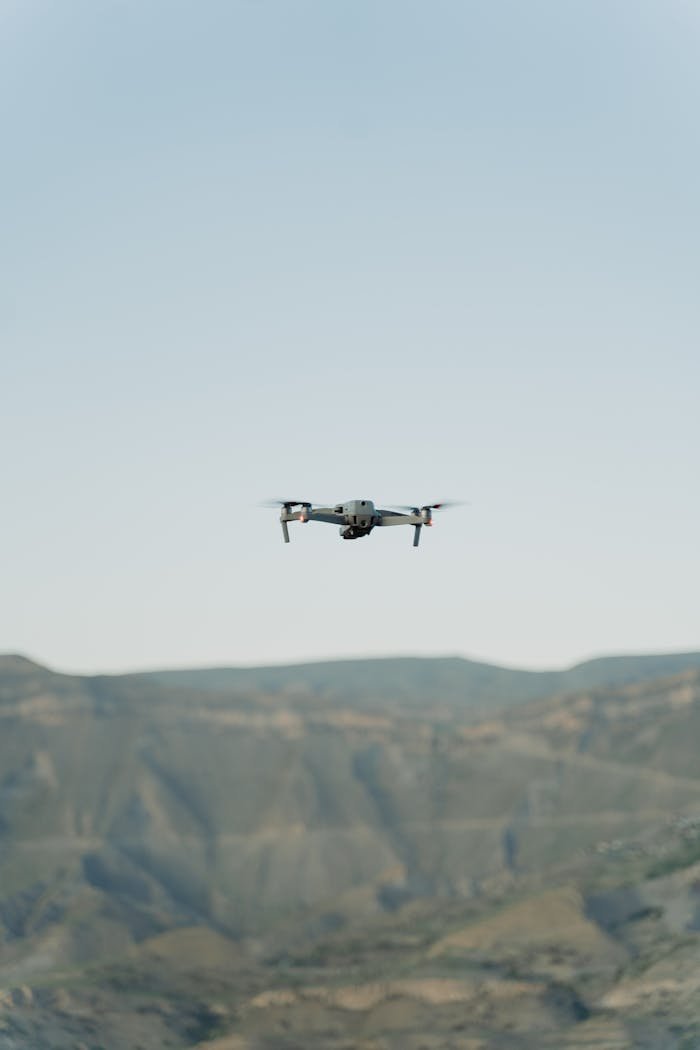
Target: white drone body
[(357, 517)]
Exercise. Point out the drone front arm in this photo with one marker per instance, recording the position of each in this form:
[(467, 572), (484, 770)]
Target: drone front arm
[(327, 515)]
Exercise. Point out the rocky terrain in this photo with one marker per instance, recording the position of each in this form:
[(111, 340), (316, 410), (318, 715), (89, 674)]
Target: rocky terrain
[(250, 866)]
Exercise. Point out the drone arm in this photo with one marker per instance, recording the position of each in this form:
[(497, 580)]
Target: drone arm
[(308, 514), (327, 515), (397, 519)]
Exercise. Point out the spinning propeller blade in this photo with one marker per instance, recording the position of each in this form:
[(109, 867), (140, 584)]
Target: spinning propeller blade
[(413, 509), (286, 503)]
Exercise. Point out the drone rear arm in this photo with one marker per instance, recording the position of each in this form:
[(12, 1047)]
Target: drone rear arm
[(400, 519)]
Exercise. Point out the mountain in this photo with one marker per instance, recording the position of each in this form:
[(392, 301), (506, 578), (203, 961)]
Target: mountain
[(271, 869), (408, 683)]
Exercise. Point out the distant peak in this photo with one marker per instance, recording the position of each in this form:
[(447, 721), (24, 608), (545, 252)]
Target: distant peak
[(15, 663)]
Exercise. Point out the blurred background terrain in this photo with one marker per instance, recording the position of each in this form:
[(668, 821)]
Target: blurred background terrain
[(424, 853)]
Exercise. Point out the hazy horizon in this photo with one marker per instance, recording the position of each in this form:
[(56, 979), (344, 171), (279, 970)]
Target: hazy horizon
[(344, 658)]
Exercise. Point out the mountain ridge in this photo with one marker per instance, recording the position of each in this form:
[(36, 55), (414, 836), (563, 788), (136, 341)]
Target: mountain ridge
[(410, 682), (400, 679)]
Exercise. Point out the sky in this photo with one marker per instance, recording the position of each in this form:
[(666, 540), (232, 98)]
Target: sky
[(338, 249)]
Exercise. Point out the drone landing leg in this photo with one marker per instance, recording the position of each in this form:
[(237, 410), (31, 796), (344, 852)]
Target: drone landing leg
[(285, 532), (416, 534)]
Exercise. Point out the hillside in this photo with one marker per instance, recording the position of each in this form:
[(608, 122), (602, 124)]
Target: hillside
[(305, 868)]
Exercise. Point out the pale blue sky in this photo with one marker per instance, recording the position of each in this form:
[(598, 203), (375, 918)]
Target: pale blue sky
[(332, 250)]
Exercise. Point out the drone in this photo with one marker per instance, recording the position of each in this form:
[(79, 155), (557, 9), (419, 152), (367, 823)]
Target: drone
[(357, 517)]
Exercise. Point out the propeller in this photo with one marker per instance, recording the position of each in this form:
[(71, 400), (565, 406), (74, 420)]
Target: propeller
[(286, 503), (426, 514), (413, 509)]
